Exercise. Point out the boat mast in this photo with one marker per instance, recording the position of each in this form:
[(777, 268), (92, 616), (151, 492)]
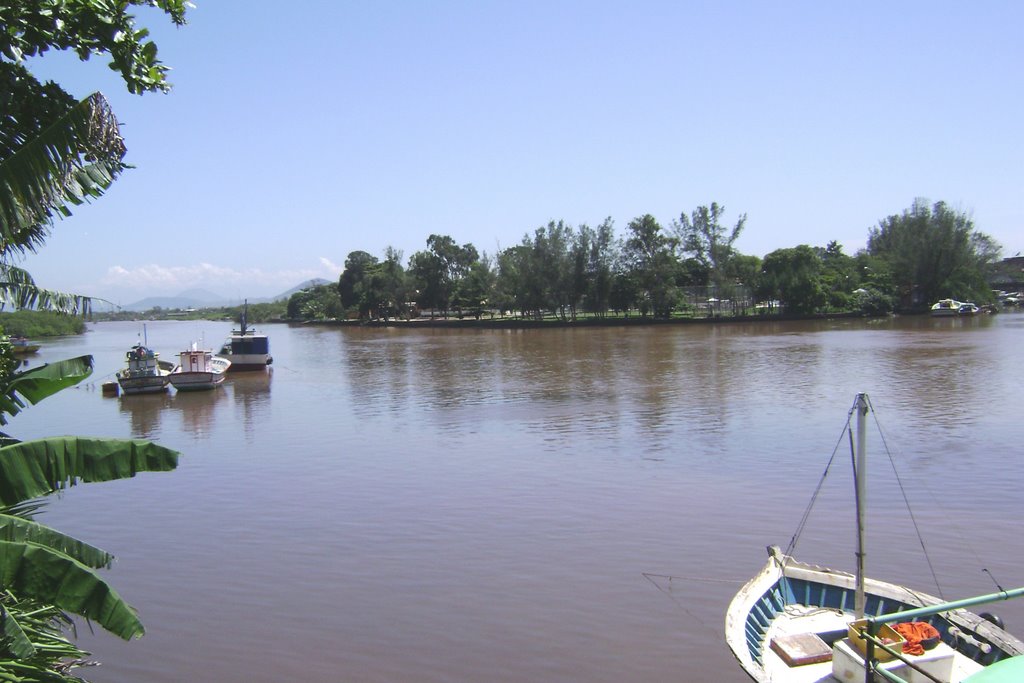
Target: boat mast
[(860, 404)]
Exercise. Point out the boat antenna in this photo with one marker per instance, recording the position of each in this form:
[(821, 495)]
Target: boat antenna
[(245, 310)]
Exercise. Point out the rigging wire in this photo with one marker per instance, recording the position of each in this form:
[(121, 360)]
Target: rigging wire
[(821, 482), (906, 500)]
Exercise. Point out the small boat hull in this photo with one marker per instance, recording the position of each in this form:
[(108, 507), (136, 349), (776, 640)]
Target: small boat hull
[(198, 370), (196, 381), (786, 591), (142, 385), (144, 373)]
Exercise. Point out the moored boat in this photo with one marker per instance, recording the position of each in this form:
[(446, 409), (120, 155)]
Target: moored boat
[(20, 346), (946, 307), (245, 348), (198, 369), (144, 372), (968, 308), (795, 622)]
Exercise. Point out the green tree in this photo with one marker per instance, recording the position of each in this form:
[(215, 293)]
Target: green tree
[(321, 302), (650, 254), (385, 290), (514, 288), (476, 289), (56, 153), (704, 237), (354, 279), (793, 276), (839, 277), (934, 252), (599, 248), (436, 272)]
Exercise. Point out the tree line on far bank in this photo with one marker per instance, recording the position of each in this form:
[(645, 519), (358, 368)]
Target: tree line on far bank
[(912, 259)]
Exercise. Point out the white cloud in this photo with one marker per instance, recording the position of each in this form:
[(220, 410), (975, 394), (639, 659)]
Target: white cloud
[(160, 279)]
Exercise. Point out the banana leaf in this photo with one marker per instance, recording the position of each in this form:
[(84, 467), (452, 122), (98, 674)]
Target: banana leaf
[(19, 291), (16, 530), (15, 639), (30, 469), (40, 382), (40, 573)]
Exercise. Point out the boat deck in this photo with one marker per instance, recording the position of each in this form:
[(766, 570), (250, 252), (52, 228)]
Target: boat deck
[(802, 620)]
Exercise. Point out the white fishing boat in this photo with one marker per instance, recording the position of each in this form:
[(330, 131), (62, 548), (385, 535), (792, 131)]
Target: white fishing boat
[(946, 307), (144, 372), (247, 349), (801, 623), (198, 369)]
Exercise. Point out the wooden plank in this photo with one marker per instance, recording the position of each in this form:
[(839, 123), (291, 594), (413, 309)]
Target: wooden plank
[(801, 648)]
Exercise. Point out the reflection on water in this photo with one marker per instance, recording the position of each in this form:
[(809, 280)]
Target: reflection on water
[(145, 412), (251, 394), (445, 505)]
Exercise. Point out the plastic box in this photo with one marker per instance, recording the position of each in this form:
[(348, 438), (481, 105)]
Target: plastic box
[(885, 633)]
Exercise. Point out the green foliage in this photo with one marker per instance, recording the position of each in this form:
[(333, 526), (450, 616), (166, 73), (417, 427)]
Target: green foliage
[(650, 258), (42, 574), (90, 27), (43, 571), (37, 383), (257, 313), (321, 302), (36, 324), (351, 284), (702, 235), (435, 274), (54, 154), (793, 276), (875, 302), (30, 469), (934, 252)]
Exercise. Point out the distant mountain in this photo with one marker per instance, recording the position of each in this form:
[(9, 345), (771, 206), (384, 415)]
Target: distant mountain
[(192, 298), (202, 298), (315, 282)]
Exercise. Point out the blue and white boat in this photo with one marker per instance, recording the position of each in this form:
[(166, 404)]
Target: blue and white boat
[(795, 622), (245, 348)]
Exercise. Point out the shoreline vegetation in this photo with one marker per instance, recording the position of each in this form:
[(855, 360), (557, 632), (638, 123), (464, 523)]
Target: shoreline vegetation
[(38, 324)]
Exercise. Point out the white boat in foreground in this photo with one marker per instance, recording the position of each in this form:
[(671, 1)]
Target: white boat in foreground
[(144, 372), (198, 369), (791, 623)]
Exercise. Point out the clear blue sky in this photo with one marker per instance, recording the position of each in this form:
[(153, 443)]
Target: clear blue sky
[(299, 132)]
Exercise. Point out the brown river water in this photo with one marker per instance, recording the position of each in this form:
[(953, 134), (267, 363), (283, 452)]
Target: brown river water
[(533, 505)]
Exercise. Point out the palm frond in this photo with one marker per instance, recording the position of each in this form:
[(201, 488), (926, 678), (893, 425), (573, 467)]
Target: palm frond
[(72, 160), (35, 468)]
